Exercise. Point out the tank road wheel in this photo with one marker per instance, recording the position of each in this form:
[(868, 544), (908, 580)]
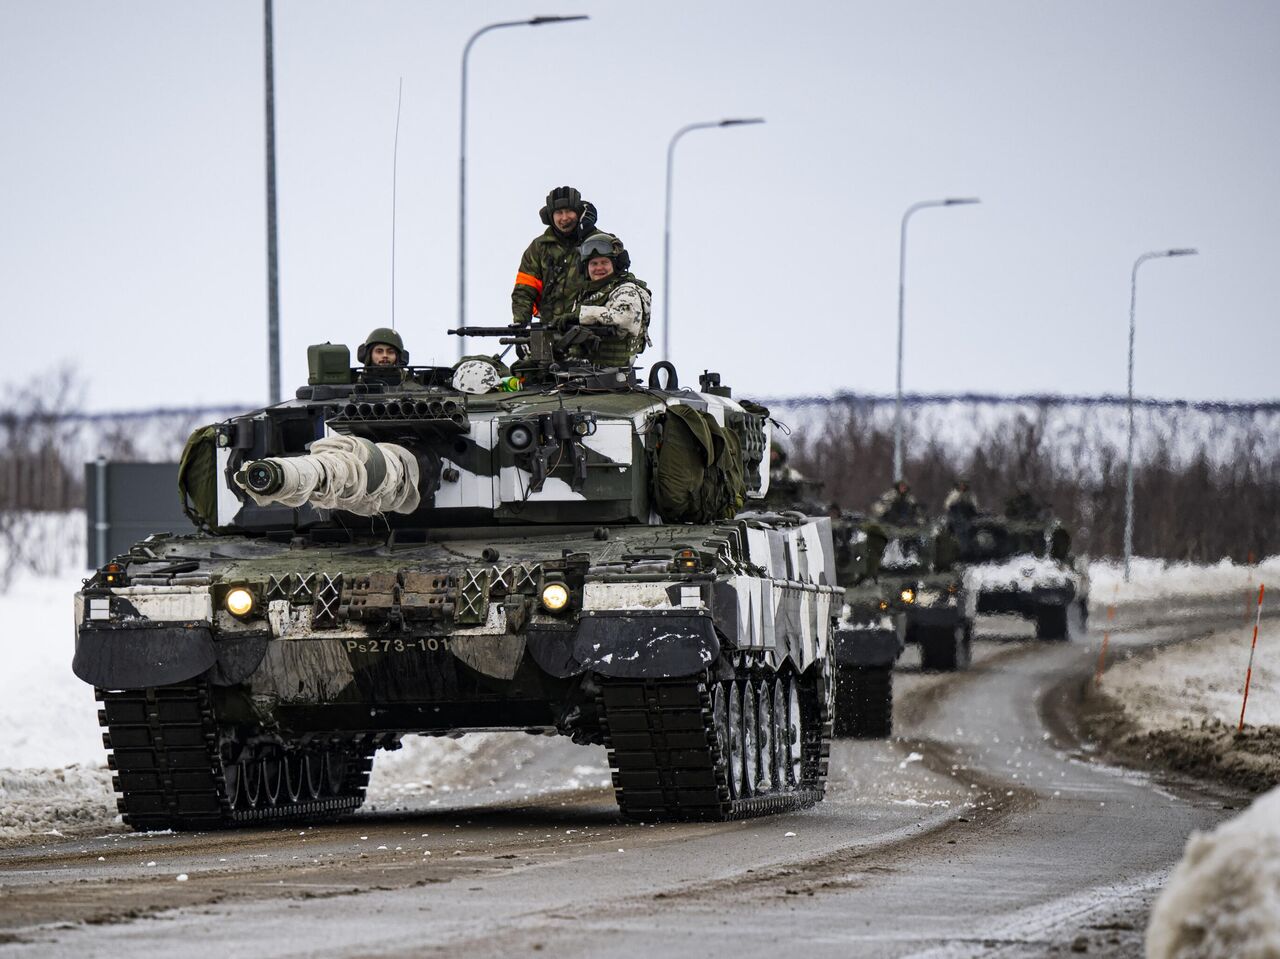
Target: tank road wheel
[(335, 771), (766, 775), (272, 780), (750, 738), (313, 771), (1051, 623), (231, 777), (793, 734), (779, 737), (251, 781), (736, 760), (295, 775)]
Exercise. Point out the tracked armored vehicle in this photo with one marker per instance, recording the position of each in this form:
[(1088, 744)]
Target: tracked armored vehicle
[(1023, 566), (418, 552)]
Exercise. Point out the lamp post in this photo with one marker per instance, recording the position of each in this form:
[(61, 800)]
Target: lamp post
[(462, 158), (902, 286), (1128, 471), (273, 261), (666, 235)]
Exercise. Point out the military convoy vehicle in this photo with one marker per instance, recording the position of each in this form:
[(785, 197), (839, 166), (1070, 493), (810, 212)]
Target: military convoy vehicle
[(871, 635), (420, 550), (1023, 565)]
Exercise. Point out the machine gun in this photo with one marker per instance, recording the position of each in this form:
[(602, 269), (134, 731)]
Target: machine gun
[(537, 343)]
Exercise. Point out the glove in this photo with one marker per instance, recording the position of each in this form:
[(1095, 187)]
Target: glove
[(587, 222), (577, 336)]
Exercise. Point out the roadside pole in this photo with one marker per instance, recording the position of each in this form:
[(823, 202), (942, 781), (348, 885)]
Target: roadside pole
[(1249, 672), (1106, 639)]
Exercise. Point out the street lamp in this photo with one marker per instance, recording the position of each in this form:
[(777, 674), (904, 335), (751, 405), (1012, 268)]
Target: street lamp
[(902, 286), (666, 236), (462, 159), (1128, 479)]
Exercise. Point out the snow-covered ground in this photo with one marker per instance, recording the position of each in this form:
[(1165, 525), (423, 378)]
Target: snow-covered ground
[(1190, 683), (1223, 899)]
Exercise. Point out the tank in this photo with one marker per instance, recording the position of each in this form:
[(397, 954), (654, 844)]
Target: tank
[(421, 551)]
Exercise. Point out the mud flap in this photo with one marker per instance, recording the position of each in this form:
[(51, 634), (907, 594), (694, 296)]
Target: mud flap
[(147, 656), (866, 647), (628, 644)]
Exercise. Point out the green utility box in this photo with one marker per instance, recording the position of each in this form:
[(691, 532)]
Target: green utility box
[(328, 363)]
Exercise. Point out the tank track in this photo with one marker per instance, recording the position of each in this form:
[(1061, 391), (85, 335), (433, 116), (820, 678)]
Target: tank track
[(669, 761), (176, 769)]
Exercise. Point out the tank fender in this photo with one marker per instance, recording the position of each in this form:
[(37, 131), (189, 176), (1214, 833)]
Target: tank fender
[(137, 657), (646, 644), (239, 654), (628, 644)]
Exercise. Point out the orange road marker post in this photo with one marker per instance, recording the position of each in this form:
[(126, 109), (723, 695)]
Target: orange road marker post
[(1106, 638), (1252, 647)]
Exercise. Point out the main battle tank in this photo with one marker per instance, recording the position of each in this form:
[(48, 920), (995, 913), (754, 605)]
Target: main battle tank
[(416, 551)]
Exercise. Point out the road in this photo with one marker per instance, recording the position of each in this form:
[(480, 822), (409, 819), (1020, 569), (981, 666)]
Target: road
[(984, 828)]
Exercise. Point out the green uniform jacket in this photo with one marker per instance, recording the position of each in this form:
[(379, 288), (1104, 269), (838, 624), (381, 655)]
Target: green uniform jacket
[(548, 281)]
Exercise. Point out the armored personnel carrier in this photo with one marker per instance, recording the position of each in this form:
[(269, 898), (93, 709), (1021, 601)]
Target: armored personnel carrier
[(420, 551)]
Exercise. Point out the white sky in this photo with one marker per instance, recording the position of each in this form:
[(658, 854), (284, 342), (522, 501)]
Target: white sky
[(132, 189)]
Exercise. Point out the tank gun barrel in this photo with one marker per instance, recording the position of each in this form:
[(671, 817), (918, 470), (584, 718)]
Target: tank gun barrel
[(347, 473)]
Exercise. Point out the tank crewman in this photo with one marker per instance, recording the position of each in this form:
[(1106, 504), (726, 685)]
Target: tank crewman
[(382, 347), (384, 358), (897, 507), (548, 280), (612, 309), (960, 502)]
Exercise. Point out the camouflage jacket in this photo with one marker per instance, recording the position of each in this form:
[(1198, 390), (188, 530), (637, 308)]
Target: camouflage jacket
[(548, 280), (619, 308)]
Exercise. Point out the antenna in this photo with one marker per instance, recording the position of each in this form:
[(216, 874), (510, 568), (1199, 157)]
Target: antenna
[(395, 156)]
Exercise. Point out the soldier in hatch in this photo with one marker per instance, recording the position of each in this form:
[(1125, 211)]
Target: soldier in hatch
[(612, 311), (382, 347), (549, 280), (960, 502), (898, 507)]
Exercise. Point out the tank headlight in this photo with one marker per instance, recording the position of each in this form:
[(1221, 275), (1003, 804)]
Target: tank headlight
[(239, 601), (555, 597), (908, 594)]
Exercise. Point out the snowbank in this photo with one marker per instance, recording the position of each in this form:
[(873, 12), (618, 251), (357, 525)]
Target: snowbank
[(1157, 579), (1223, 899)]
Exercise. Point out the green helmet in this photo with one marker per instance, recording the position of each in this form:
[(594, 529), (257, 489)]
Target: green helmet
[(387, 337), (604, 244)]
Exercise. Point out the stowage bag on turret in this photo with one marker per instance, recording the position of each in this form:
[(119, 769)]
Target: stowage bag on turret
[(699, 474), (198, 478)]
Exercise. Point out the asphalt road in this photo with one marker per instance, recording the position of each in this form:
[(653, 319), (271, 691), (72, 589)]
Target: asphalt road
[(984, 828)]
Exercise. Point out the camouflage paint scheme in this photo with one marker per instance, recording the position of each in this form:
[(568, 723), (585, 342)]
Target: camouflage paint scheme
[(379, 626)]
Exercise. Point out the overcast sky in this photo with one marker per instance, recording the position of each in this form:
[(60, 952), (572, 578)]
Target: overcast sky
[(132, 203)]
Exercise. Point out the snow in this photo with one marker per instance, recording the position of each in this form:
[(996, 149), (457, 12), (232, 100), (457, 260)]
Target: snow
[(1204, 679), (1154, 579), (1223, 899)]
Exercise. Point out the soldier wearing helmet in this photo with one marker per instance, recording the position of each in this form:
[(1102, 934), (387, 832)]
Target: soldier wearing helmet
[(612, 311), (382, 347), (548, 279), (960, 502), (898, 507)]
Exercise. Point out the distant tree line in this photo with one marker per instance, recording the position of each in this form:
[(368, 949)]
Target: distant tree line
[(1194, 499)]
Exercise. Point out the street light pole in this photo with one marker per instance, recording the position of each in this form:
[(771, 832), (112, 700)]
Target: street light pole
[(462, 159), (666, 233), (902, 287), (273, 261), (1128, 477)]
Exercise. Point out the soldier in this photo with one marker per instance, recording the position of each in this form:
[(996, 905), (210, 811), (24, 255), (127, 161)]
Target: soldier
[(548, 279), (382, 347), (960, 502), (898, 507), (613, 308)]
